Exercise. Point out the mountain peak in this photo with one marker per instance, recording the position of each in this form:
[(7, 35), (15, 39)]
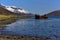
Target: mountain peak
[(14, 9)]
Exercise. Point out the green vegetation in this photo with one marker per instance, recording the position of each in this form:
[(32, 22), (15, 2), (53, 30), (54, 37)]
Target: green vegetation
[(7, 19), (3, 17)]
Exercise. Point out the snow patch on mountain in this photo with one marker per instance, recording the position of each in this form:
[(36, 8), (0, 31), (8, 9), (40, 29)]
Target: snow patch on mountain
[(14, 9)]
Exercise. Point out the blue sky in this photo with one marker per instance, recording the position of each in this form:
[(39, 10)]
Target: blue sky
[(34, 6)]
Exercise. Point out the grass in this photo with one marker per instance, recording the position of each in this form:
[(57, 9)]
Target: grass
[(7, 19), (3, 17)]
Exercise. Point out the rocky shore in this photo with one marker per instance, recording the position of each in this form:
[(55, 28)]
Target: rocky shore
[(14, 37)]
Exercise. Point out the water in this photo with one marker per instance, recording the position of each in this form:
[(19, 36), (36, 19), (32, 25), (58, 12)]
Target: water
[(45, 27)]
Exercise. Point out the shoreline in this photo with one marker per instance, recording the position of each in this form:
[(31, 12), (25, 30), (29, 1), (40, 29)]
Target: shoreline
[(14, 37)]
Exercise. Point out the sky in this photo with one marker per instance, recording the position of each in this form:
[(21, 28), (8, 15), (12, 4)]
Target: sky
[(34, 6)]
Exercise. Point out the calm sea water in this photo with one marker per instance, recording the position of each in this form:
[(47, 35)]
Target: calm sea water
[(45, 27)]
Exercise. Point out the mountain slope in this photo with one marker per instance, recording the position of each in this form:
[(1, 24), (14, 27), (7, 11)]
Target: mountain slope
[(54, 13), (7, 12), (14, 9)]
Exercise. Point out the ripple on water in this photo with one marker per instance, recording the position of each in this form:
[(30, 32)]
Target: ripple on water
[(48, 28)]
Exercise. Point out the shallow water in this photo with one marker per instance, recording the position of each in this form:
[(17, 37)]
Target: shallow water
[(45, 27)]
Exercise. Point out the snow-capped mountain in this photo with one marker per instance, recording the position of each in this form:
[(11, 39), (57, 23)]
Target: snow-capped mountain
[(14, 9)]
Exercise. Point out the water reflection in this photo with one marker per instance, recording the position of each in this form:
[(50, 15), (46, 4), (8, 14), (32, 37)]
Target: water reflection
[(32, 27)]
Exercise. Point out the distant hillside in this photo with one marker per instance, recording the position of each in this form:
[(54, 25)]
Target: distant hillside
[(4, 11), (54, 13), (7, 12)]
